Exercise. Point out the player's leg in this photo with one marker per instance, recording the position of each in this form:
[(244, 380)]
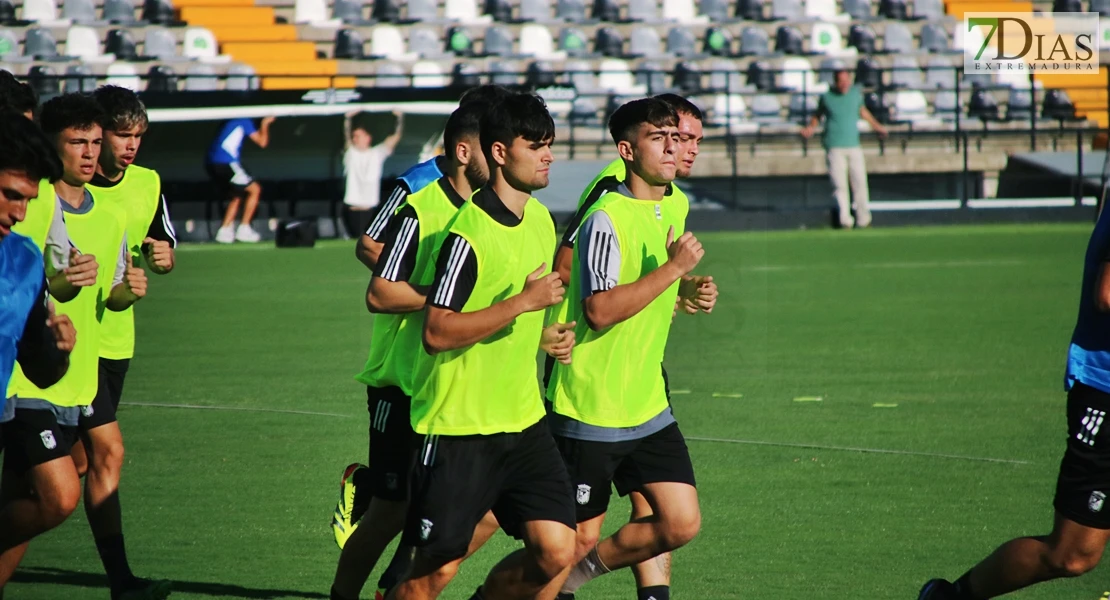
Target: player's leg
[(226, 233), (838, 175), (653, 577), (857, 178), (383, 520), (254, 193), (539, 567)]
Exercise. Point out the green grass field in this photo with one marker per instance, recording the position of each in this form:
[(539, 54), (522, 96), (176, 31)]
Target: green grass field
[(937, 346)]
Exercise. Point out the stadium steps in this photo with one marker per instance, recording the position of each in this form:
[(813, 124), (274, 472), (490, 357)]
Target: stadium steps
[(1087, 93), (212, 3), (957, 8), (221, 16), (300, 83), (276, 33), (251, 52)]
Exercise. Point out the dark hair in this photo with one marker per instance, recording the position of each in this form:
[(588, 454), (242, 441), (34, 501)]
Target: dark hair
[(519, 115), (122, 108), (627, 119), (464, 122), (27, 149), (681, 105), (79, 111), (487, 94), (16, 96)]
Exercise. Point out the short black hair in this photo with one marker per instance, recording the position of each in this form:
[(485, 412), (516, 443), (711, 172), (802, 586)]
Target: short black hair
[(518, 115), (79, 111), (627, 119), (681, 105), (487, 94), (27, 149), (122, 108), (15, 95), (464, 122)]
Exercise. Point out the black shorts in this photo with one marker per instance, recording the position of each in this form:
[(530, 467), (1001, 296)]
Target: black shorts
[(457, 479), (109, 390), (34, 437), (391, 444), (595, 467), (231, 178), (1084, 482)]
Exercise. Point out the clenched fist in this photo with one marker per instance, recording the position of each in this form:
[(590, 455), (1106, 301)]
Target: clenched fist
[(541, 292)]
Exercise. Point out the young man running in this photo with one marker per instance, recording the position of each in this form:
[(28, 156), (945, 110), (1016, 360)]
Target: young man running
[(615, 425), (485, 443), (1081, 527), (233, 181), (136, 192), (40, 486)]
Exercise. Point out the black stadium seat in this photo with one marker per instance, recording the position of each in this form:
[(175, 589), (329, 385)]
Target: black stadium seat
[(761, 75), (387, 11), (868, 74), (788, 40), (750, 10), (161, 78), (159, 12), (983, 106), (862, 38), (893, 9), (687, 77), (609, 42), (1058, 106), (349, 44)]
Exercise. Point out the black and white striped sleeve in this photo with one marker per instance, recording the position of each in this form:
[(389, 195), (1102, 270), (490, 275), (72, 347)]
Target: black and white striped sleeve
[(599, 254), (161, 228), (401, 239), (602, 187), (456, 274), (386, 211)]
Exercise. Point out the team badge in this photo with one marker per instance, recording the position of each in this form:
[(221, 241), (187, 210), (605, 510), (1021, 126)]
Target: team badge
[(583, 494), (425, 529), (1095, 501), (48, 439), (87, 411)]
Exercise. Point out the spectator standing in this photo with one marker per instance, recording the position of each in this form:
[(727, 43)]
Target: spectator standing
[(842, 107), (233, 181), (362, 164)]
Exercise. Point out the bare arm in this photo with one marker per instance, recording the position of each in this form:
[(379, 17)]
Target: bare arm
[(367, 250), (564, 256), (1102, 289), (262, 136), (392, 141), (605, 309), (394, 297), (347, 129), (446, 330), (872, 121)]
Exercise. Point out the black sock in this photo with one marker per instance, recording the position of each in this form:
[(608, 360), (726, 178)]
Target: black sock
[(478, 595), (114, 556), (400, 562), (654, 592), (963, 588), (335, 595)]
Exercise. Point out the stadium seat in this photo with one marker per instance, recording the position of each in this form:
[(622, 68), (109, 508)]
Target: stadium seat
[(498, 42), (1057, 105), (348, 45), (9, 47), (825, 10), (686, 77), (607, 10), (539, 74), (868, 73), (725, 77), (681, 11), (538, 11), (79, 79), (766, 110), (573, 11), (421, 11), (946, 105), (535, 40), (428, 74), (788, 10), (1019, 106), (761, 75), (940, 74), (160, 44), (906, 73), (311, 11), (459, 42), (716, 11), (40, 44), (826, 72), (802, 107), (681, 42), (1014, 78), (928, 10), (502, 73), (386, 41), (44, 80), (1073, 6), (824, 38), (501, 10), (161, 78), (646, 11), (750, 10), (718, 42), (386, 11), (910, 106), (788, 40), (729, 110), (465, 75), (608, 42), (798, 76), (644, 41), (615, 76), (977, 80), (982, 106), (201, 78), (391, 75), (7, 13), (80, 11), (119, 12), (426, 42), (583, 112), (125, 76), (875, 105), (1102, 7), (242, 78), (350, 12), (934, 38), (897, 39), (754, 42), (573, 42), (893, 9), (43, 12), (862, 38), (580, 75), (859, 10), (200, 44), (464, 11), (159, 12), (651, 76), (83, 43)]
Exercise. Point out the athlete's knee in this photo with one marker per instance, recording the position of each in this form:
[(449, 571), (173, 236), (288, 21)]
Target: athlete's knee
[(57, 506), (680, 529), (1073, 562), (554, 554), (107, 458), (585, 541)]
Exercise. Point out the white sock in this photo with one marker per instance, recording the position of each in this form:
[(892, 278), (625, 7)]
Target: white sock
[(589, 568)]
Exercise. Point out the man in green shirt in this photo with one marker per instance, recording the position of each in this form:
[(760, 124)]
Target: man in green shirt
[(842, 107)]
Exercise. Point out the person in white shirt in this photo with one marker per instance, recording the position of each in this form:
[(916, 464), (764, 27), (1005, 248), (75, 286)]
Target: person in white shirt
[(362, 164)]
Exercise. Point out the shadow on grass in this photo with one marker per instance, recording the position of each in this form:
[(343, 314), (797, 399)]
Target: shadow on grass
[(97, 580)]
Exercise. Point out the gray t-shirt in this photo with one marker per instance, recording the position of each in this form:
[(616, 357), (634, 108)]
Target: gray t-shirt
[(59, 244)]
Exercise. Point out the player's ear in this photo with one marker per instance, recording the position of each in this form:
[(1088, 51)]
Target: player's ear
[(500, 153), (624, 149), (462, 153)]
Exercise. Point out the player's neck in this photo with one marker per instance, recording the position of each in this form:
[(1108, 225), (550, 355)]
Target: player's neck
[(70, 194), (457, 179), (512, 198), (112, 174), (643, 190)]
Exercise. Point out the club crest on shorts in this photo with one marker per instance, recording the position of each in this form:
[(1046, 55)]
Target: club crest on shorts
[(391, 481), (48, 439), (425, 529), (1095, 501), (87, 411), (583, 495)]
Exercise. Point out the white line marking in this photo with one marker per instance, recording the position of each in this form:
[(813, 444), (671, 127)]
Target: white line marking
[(238, 408), (946, 264)]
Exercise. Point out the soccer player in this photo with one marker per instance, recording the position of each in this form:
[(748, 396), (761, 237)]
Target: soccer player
[(41, 486), (615, 425), (30, 332), (362, 164), (136, 192), (1081, 527), (396, 295), (485, 442), (419, 176), (17, 96), (233, 181)]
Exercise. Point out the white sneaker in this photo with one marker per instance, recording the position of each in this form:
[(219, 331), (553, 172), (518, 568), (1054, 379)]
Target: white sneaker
[(225, 235), (246, 234)]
